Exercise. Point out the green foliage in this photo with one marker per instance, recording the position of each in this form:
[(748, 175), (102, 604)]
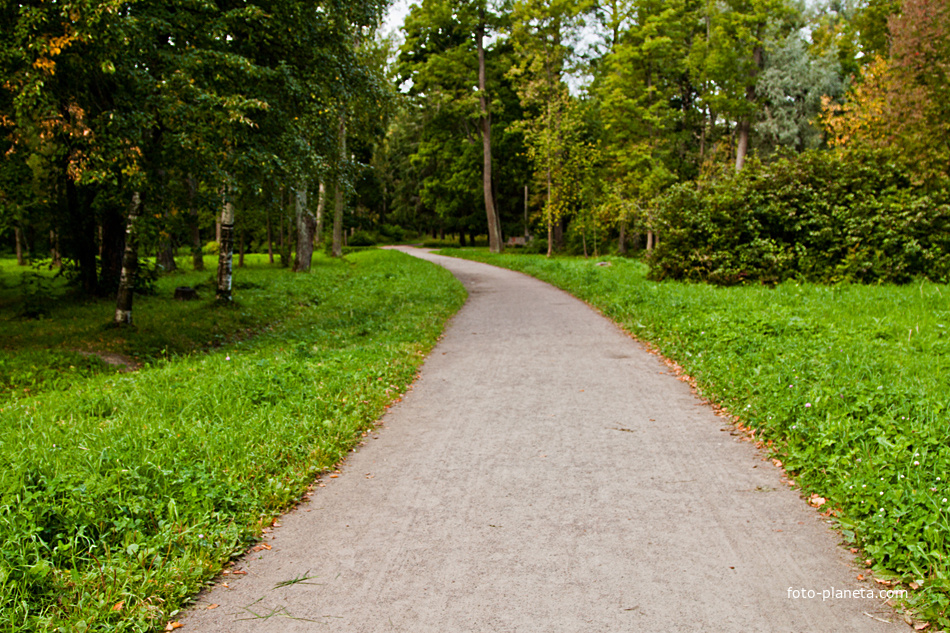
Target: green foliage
[(846, 385), (137, 488), (823, 216)]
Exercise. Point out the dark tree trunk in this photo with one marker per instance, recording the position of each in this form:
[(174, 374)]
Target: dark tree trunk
[(270, 240), (338, 195), (241, 249), (744, 127), (622, 241), (130, 264), (306, 227), (81, 242), (495, 244), (20, 251), (462, 241), (166, 256), (559, 228), (56, 260), (197, 254), (111, 247)]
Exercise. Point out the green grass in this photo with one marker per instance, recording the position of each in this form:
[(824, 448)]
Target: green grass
[(123, 493), (848, 385)]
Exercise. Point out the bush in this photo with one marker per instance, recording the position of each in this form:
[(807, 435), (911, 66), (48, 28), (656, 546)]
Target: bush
[(362, 238), (211, 248), (820, 216)]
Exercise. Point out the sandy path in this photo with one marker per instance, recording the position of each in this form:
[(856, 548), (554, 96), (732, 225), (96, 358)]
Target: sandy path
[(546, 474)]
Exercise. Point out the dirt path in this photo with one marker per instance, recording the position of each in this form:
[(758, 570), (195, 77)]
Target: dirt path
[(546, 474)]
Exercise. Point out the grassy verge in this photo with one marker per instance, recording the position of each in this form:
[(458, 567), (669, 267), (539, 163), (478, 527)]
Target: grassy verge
[(848, 385), (123, 493)]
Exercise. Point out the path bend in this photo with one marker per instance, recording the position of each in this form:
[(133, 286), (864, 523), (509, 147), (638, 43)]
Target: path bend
[(547, 474)]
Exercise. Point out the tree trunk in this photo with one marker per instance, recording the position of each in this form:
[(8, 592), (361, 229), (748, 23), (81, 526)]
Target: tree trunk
[(744, 127), (495, 244), (338, 195), (241, 248), (321, 203), (81, 235), (166, 256), (550, 214), (270, 240), (526, 214), (56, 260), (18, 236), (649, 240), (226, 247), (130, 264), (622, 242), (306, 227), (197, 255)]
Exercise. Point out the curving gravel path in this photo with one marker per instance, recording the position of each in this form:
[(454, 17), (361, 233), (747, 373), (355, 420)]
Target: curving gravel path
[(546, 474)]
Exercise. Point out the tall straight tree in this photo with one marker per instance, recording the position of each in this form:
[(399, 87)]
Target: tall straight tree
[(543, 32), (444, 55)]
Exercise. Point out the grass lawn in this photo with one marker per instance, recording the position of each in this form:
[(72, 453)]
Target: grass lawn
[(121, 494), (849, 386)]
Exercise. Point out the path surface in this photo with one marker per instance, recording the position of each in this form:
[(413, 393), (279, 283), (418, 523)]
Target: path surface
[(545, 474)]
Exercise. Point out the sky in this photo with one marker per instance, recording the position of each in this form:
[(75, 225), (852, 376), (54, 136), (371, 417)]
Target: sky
[(397, 13)]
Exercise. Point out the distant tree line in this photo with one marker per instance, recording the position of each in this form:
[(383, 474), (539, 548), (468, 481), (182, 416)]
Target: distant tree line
[(601, 113)]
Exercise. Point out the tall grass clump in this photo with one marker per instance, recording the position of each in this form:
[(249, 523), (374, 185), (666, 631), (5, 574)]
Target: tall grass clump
[(122, 493), (848, 385)]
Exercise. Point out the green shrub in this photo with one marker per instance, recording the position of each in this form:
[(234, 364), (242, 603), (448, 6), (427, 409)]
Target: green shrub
[(211, 248), (820, 216), (362, 238)]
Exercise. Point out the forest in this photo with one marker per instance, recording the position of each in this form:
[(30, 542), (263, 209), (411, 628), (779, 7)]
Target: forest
[(741, 140)]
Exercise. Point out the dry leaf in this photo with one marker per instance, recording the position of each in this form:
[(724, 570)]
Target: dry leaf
[(817, 501), (884, 582), (118, 606), (854, 550), (171, 626), (860, 576), (913, 585), (333, 476), (921, 626), (212, 606), (239, 573)]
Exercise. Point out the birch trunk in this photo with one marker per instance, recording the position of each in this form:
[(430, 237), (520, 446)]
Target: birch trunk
[(321, 203), (130, 264), (226, 248)]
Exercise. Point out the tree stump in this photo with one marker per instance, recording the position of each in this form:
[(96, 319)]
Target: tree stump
[(184, 293)]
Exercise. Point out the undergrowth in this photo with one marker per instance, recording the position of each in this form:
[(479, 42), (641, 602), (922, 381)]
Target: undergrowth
[(123, 493), (850, 383)]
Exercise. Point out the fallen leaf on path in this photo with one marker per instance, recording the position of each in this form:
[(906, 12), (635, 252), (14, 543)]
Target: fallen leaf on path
[(171, 626), (212, 606), (333, 476), (884, 582), (817, 501), (860, 576), (239, 573)]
